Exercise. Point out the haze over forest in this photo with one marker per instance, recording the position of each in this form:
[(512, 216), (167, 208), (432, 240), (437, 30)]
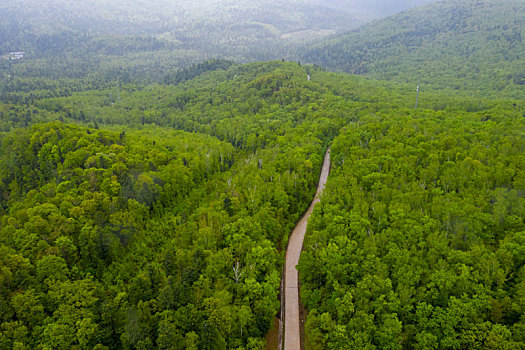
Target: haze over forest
[(216, 27)]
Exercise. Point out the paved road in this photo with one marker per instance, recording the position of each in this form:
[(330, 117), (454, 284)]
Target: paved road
[(292, 323)]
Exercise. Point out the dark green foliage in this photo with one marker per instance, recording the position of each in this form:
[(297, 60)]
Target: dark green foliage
[(472, 47), (126, 40), (196, 70)]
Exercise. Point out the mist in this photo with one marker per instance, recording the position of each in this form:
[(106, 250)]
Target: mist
[(175, 34), (152, 17)]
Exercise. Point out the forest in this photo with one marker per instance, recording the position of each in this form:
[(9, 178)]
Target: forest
[(424, 248), (472, 48), (156, 216), (148, 188), (76, 38), (142, 41)]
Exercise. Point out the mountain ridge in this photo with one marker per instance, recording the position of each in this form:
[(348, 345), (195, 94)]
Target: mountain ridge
[(475, 47)]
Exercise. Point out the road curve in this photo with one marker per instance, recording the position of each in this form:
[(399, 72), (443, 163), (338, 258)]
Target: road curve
[(292, 322)]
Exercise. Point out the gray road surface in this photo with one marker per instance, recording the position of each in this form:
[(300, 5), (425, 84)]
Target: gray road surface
[(292, 323)]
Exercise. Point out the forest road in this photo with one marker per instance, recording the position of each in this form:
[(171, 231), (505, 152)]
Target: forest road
[(292, 322)]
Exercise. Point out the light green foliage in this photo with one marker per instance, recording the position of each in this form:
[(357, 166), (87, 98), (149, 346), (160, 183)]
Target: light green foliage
[(410, 246), (158, 218), (170, 238)]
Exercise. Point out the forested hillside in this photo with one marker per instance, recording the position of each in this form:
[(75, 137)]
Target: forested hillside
[(155, 216), (34, 24), (126, 40), (101, 30), (469, 47), (149, 182), (372, 8), (134, 41)]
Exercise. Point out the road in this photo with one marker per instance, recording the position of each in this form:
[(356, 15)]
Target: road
[(292, 322)]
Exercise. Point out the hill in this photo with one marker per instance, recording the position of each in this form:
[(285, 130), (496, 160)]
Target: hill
[(143, 38), (213, 27), (471, 47), (130, 40), (372, 8)]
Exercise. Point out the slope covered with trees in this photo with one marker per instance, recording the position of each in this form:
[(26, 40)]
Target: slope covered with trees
[(134, 41), (33, 24), (155, 32), (127, 40), (372, 8), (471, 47)]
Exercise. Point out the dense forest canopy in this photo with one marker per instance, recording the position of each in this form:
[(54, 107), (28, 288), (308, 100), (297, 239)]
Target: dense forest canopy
[(28, 18), (472, 47), (147, 193), (174, 238), (125, 38), (424, 246), (372, 8), (213, 27)]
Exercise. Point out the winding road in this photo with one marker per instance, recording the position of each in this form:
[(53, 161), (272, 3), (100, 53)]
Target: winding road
[(292, 322)]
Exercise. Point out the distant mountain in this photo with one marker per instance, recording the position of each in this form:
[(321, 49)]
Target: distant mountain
[(240, 29), (372, 8), (230, 28), (471, 46)]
